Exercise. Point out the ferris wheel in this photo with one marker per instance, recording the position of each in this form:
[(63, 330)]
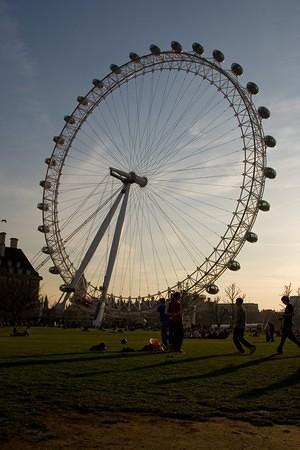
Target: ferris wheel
[(156, 178)]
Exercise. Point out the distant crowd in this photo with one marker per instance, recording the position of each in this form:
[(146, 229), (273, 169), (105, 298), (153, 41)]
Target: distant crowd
[(196, 332), (141, 304)]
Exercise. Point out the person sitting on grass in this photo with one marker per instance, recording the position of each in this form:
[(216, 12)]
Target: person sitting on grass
[(15, 332), (239, 328), (287, 325)]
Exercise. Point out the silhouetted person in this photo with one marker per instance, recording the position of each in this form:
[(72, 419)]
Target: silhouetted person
[(164, 321), (175, 322), (270, 332), (287, 325), (239, 328)]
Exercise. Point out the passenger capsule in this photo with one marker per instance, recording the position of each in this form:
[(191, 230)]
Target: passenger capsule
[(176, 47), (43, 228), (252, 88), (115, 69), (218, 56), (270, 141), (51, 162), (47, 250), (54, 270), (43, 206), (82, 100), (66, 288), (134, 57), (264, 112), (59, 140), (69, 119), (236, 69), (197, 48), (154, 49), (270, 173), (97, 83), (45, 184), (263, 205), (212, 289), (251, 237), (233, 265)]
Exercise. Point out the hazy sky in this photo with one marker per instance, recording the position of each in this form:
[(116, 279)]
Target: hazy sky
[(50, 52)]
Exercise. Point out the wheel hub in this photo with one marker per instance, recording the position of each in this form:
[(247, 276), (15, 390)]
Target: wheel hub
[(128, 177)]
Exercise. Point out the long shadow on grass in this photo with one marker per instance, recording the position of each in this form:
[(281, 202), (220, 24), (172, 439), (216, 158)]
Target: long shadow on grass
[(291, 380), (180, 361), (94, 357), (164, 363), (218, 372), (42, 355)]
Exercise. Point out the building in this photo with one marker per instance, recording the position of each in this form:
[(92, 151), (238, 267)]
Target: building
[(19, 284), (224, 312), (295, 301)]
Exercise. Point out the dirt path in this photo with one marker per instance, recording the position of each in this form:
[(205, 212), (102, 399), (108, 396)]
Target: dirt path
[(122, 431)]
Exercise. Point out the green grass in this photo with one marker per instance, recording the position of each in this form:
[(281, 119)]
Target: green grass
[(54, 369)]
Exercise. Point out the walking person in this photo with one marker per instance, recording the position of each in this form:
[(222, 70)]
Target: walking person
[(239, 328), (175, 322), (164, 322), (270, 332), (287, 325)]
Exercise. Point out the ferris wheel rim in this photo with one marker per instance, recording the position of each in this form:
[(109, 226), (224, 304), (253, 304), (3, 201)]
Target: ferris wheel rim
[(245, 215)]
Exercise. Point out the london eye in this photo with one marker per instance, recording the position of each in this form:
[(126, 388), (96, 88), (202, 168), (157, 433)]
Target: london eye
[(156, 178)]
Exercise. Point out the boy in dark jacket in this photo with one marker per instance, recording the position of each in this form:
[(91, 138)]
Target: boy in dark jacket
[(287, 325)]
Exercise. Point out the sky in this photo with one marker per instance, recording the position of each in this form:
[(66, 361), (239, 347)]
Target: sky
[(50, 52)]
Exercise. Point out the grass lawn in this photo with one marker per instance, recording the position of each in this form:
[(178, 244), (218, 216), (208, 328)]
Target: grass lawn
[(54, 369)]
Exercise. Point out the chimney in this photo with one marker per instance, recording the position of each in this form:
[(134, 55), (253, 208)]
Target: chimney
[(13, 243), (2, 243)]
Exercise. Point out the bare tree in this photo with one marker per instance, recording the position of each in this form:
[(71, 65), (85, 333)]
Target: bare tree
[(231, 293), (287, 289), (18, 300)]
